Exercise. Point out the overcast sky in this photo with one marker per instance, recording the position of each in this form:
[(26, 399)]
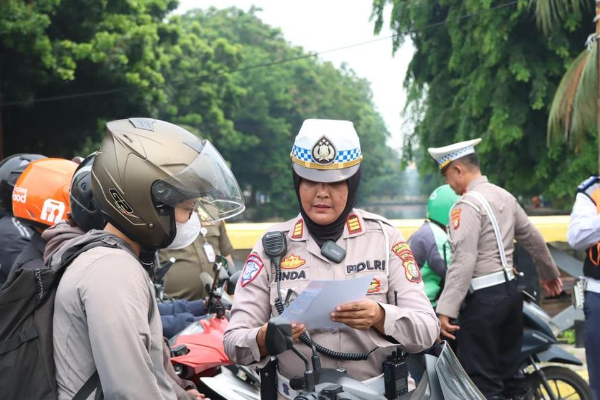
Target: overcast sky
[(322, 25)]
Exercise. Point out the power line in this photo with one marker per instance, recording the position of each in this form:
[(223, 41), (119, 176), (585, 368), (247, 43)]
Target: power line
[(270, 64)]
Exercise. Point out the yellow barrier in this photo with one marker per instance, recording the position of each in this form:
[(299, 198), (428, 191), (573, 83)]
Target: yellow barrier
[(245, 235)]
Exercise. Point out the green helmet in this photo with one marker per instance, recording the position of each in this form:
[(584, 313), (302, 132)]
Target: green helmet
[(439, 204)]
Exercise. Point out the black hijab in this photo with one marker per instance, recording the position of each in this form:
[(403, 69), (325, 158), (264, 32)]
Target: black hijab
[(334, 230)]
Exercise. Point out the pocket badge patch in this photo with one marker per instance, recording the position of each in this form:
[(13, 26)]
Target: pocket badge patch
[(251, 269), (375, 286), (292, 261)]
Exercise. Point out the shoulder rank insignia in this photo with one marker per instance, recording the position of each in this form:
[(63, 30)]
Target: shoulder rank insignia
[(403, 251), (353, 224), (292, 261), (589, 187), (298, 229), (588, 182)]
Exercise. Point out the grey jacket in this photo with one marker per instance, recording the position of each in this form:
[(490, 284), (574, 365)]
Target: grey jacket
[(101, 323)]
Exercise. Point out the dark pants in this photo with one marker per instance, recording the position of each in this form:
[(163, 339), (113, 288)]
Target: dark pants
[(592, 340), (490, 337)]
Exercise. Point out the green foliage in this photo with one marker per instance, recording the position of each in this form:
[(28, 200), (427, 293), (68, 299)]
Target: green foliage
[(491, 75), (99, 60), (574, 109), (548, 13), (278, 98), (567, 336), (136, 61)]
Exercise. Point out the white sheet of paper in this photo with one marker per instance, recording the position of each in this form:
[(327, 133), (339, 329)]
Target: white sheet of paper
[(313, 306)]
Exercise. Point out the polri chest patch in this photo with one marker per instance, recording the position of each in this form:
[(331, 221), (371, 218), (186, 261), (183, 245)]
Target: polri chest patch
[(252, 268), (367, 265)]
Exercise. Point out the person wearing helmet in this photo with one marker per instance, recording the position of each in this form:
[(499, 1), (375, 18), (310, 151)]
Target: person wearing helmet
[(14, 234), (481, 288), (326, 167), (430, 242), (41, 199), (83, 217), (150, 180)]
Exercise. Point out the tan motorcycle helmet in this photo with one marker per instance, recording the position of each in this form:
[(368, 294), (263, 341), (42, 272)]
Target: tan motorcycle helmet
[(145, 167)]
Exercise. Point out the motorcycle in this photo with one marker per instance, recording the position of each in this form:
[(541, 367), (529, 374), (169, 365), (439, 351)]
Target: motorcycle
[(443, 377), (197, 352), (552, 382)]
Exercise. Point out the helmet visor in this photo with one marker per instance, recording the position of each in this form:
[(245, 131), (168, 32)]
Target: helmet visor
[(208, 182)]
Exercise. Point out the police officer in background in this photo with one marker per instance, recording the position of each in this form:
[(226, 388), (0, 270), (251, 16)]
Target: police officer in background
[(484, 223), (14, 234), (584, 233), (183, 278), (326, 161)]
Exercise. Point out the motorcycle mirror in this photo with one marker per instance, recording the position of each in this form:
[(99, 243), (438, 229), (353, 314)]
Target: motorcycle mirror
[(206, 281), (220, 262), (233, 282), (279, 336), (227, 301), (223, 275)]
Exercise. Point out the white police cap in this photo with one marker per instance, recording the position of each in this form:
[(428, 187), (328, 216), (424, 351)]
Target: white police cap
[(326, 150), (443, 156)]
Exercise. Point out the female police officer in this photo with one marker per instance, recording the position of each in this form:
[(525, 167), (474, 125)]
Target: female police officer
[(326, 167)]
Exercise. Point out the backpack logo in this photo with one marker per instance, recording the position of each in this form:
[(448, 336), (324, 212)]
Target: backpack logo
[(122, 205), (53, 211)]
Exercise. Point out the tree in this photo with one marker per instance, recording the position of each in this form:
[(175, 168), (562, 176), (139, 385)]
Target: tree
[(481, 72), (576, 107), (278, 96), (102, 60)]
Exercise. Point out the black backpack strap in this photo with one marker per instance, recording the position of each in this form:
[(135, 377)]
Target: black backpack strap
[(88, 387), (15, 342), (106, 240)]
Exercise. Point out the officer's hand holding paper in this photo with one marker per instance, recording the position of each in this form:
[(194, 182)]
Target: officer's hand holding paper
[(314, 305)]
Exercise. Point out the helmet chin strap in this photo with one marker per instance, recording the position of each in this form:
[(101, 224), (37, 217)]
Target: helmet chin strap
[(148, 259)]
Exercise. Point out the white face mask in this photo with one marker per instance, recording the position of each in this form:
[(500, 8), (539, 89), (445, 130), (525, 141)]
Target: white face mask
[(187, 232)]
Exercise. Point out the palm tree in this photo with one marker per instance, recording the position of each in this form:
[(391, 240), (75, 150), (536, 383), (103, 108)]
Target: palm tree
[(575, 108)]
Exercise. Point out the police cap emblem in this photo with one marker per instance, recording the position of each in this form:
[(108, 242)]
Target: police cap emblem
[(324, 152)]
